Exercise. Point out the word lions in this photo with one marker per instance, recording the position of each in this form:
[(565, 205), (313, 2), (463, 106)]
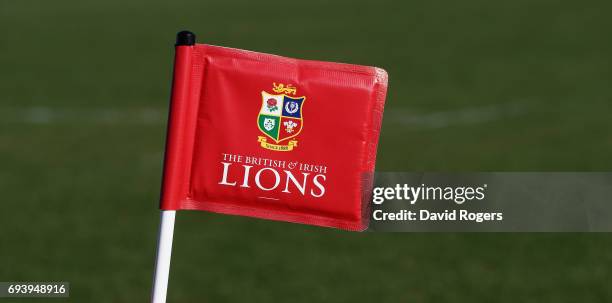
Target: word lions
[(275, 179)]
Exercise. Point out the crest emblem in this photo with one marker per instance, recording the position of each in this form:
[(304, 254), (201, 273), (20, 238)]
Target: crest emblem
[(280, 118)]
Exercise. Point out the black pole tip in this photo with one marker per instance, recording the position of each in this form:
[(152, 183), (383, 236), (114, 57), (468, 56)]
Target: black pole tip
[(185, 38)]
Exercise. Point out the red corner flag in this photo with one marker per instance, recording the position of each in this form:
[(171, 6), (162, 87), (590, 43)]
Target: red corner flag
[(265, 136)]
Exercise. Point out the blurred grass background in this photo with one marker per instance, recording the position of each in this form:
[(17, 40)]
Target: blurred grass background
[(474, 86)]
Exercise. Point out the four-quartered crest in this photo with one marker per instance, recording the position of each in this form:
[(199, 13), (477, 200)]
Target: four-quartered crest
[(280, 117)]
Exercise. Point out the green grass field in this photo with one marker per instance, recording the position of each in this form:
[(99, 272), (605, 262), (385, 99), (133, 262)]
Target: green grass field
[(474, 86)]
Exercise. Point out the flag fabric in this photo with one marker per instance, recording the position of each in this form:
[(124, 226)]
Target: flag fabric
[(265, 136)]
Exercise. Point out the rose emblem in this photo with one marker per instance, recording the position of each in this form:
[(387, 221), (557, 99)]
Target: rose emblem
[(271, 103)]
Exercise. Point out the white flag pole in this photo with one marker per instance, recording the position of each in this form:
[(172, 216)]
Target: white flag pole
[(182, 67), (164, 252)]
